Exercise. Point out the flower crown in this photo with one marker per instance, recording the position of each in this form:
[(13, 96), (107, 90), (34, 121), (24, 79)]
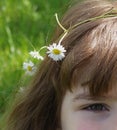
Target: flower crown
[(56, 51)]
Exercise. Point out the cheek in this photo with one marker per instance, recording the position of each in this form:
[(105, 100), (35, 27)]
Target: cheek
[(88, 126)]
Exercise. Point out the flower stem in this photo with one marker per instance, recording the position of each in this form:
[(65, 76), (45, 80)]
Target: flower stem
[(59, 22), (106, 15), (42, 48), (62, 38)]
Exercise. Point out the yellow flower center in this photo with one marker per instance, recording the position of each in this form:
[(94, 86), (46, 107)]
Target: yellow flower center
[(56, 51), (29, 68)]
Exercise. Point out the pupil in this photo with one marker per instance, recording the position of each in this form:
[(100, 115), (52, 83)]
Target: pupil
[(97, 107)]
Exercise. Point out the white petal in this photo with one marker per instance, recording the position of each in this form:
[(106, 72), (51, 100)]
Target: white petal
[(55, 56)]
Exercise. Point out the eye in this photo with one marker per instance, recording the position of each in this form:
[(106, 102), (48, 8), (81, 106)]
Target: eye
[(98, 107)]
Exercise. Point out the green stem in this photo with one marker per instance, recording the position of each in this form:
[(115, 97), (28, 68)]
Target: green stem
[(59, 22), (62, 37), (92, 19), (43, 48)]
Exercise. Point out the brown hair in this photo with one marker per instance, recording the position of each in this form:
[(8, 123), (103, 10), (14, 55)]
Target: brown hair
[(91, 57)]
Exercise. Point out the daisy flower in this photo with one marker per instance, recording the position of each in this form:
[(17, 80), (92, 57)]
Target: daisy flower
[(29, 67), (56, 52), (35, 54)]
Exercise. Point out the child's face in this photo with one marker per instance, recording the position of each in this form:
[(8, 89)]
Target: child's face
[(79, 111)]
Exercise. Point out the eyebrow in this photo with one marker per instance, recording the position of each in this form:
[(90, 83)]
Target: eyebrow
[(85, 96)]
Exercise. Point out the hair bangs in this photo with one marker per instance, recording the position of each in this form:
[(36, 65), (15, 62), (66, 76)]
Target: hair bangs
[(92, 62)]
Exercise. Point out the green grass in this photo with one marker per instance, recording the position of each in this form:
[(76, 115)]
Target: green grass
[(22, 23)]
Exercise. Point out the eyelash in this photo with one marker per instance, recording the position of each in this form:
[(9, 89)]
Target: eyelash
[(97, 107)]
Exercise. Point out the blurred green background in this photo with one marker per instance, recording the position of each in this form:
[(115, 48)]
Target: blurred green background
[(22, 23)]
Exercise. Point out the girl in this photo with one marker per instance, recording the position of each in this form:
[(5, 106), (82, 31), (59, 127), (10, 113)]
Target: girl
[(77, 92)]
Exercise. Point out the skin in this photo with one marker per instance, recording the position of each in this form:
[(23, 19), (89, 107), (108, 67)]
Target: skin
[(80, 112)]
